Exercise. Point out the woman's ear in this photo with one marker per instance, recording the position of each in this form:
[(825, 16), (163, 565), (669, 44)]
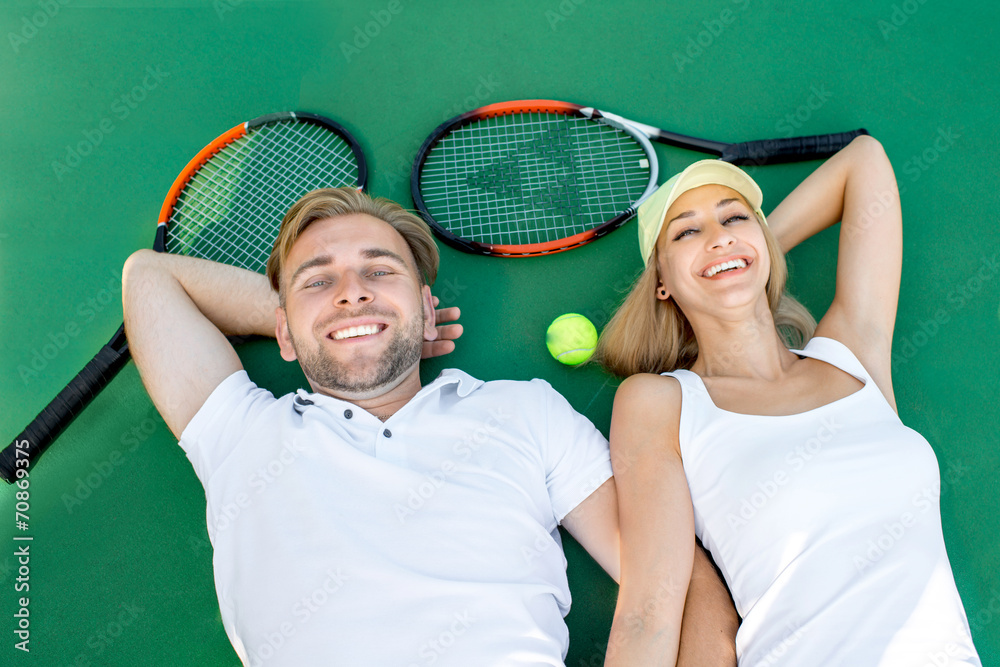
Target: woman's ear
[(661, 292)]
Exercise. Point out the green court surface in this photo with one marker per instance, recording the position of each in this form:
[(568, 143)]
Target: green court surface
[(104, 101)]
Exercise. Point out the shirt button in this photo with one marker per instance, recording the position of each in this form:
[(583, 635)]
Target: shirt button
[(348, 414), (387, 433)]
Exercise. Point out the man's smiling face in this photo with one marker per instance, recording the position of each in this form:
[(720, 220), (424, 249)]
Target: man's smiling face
[(355, 310)]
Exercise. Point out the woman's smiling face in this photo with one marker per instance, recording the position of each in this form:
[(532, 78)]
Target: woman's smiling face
[(711, 251)]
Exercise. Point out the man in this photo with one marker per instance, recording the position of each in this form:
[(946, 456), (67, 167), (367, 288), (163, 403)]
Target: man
[(372, 521)]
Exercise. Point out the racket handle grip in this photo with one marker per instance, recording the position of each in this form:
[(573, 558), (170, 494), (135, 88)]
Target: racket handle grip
[(54, 418), (793, 149)]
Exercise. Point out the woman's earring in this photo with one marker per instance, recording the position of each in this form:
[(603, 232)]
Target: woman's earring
[(663, 292)]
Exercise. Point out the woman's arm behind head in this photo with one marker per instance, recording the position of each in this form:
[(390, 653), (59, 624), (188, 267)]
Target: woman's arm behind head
[(856, 186)]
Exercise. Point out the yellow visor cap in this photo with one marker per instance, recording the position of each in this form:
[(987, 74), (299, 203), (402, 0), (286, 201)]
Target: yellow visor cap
[(704, 172)]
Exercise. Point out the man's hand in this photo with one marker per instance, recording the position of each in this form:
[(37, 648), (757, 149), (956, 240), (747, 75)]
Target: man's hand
[(447, 333)]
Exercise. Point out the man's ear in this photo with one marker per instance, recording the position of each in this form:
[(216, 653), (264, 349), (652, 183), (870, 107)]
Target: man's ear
[(430, 317), (282, 335)]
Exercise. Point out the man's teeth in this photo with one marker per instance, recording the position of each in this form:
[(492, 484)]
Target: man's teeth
[(353, 332), (725, 266)]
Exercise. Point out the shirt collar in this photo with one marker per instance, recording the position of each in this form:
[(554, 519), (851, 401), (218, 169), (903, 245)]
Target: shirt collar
[(449, 376), (466, 383)]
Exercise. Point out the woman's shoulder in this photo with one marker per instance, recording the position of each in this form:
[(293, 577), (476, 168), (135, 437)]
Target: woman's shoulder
[(646, 414), (653, 399), (644, 387)]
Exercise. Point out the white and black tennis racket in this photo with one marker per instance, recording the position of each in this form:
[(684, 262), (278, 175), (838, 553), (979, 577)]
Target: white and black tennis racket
[(226, 206), (533, 177)]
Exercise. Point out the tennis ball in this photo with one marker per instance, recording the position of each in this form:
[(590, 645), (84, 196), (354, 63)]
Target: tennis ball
[(571, 339)]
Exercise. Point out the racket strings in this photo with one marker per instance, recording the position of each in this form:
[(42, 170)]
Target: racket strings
[(531, 178), (255, 194), (510, 173), (231, 208)]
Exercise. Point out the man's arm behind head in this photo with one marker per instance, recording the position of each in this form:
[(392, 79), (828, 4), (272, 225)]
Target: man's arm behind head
[(178, 311)]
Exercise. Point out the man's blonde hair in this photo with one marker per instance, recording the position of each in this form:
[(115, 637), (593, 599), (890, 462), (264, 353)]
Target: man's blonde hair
[(334, 202)]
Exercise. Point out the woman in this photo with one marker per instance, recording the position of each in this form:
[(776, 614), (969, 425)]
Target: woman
[(792, 467)]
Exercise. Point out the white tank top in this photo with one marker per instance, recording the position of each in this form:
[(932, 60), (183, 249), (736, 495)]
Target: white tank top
[(827, 528)]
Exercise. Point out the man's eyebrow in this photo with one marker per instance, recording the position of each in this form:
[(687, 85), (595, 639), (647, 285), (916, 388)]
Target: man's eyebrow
[(319, 260), (378, 253), (720, 204), (367, 253)]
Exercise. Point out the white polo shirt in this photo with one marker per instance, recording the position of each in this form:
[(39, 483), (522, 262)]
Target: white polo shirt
[(429, 539)]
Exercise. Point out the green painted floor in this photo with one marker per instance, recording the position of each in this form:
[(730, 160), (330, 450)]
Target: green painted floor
[(104, 101)]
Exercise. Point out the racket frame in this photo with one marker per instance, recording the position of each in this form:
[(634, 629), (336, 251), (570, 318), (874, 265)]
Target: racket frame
[(752, 152), (46, 427), (527, 106)]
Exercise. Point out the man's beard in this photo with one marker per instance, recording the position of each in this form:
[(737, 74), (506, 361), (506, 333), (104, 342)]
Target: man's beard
[(399, 357)]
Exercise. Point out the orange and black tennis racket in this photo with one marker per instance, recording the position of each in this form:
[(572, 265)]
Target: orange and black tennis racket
[(533, 177), (225, 206)]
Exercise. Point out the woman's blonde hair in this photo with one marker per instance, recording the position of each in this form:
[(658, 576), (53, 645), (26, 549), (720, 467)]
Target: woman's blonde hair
[(647, 335), (333, 202)]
